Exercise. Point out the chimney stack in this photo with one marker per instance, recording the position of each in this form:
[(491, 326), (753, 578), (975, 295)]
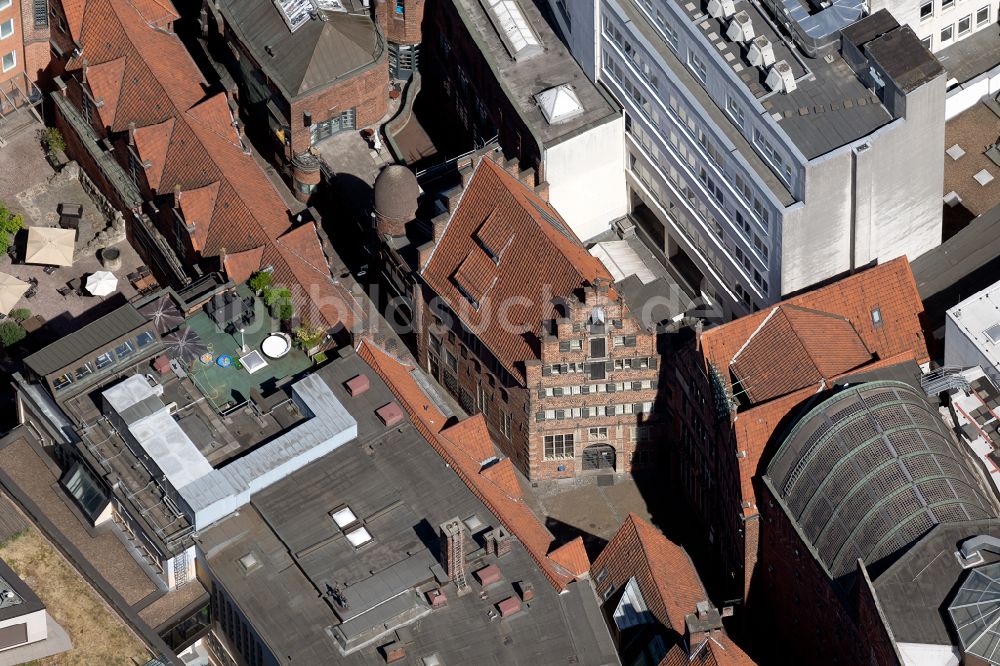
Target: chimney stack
[(498, 542), (131, 133), (177, 195), (453, 553), (699, 626)]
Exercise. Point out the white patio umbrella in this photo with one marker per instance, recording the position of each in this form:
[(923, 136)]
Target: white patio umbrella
[(102, 283), (11, 290), (50, 245)]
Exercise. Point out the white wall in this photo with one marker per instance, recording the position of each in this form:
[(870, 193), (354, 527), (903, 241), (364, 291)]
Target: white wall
[(908, 12), (960, 351), (967, 95), (36, 628), (586, 177)]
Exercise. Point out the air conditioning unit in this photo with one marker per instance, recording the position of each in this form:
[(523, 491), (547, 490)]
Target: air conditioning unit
[(740, 28), (761, 52), (721, 9), (780, 77)]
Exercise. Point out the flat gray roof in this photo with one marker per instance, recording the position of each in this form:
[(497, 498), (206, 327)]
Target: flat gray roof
[(977, 54), (401, 489), (830, 106), (318, 53), (966, 263), (160, 436), (915, 590), (90, 338), (523, 79), (327, 425), (26, 600)]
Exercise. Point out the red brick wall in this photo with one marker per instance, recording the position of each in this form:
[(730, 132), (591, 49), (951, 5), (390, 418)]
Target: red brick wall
[(367, 93), (480, 384), (451, 56), (796, 605), (404, 28), (622, 430), (36, 42)]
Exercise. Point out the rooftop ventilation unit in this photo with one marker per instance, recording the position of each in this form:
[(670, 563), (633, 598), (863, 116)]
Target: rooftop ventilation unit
[(761, 52), (740, 28), (721, 9), (780, 77)]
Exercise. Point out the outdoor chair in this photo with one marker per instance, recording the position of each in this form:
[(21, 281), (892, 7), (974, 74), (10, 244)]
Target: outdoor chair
[(64, 291), (49, 270)]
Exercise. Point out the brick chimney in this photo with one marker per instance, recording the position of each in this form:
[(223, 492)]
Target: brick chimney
[(453, 553), (498, 542), (131, 133), (177, 195), (699, 626), (84, 66)]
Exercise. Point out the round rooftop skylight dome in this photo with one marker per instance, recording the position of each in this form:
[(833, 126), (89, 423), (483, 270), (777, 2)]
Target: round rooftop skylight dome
[(870, 470)]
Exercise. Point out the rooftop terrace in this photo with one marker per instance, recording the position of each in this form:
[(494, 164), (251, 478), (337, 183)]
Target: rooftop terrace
[(226, 386)]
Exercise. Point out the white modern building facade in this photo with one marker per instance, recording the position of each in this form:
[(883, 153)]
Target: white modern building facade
[(760, 164), (941, 23), (972, 333)]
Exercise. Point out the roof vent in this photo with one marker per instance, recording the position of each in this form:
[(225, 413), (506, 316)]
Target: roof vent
[(780, 77), (761, 52), (740, 28), (721, 8)]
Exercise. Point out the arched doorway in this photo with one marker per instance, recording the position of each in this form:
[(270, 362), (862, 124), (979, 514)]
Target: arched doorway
[(599, 457)]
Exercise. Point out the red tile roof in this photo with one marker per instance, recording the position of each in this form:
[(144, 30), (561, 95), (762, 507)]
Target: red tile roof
[(535, 257), (572, 557), (189, 141), (665, 573), (670, 586), (105, 82), (198, 207), (464, 446), (818, 324), (889, 288), (796, 347), (151, 143), (718, 650)]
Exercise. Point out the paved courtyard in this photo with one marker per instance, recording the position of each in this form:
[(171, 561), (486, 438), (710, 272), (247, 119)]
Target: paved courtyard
[(31, 187)]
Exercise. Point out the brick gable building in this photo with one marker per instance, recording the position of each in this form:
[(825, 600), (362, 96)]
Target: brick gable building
[(519, 322), (655, 604), (738, 385)]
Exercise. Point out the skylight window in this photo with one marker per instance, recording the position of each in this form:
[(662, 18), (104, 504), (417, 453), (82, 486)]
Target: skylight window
[(344, 517), (295, 12), (359, 537), (513, 26), (993, 333)]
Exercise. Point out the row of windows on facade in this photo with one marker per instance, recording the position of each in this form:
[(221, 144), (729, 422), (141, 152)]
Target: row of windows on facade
[(598, 369), (957, 30), (699, 69), (716, 192), (588, 389), (594, 412), (562, 445), (741, 222), (616, 341), (105, 360), (696, 238)]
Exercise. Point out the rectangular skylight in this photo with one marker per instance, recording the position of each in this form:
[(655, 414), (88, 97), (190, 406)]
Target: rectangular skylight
[(359, 537), (343, 517), (993, 333), (295, 12), (512, 24)]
